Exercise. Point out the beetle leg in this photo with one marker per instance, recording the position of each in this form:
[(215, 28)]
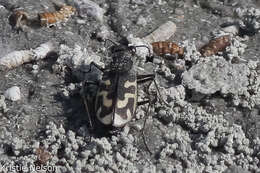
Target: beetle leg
[(90, 68), (142, 79), (97, 66), (142, 131), (110, 41), (142, 102), (146, 116), (151, 78), (145, 78), (85, 101), (143, 134)]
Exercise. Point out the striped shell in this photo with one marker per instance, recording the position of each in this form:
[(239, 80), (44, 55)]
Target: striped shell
[(51, 18)]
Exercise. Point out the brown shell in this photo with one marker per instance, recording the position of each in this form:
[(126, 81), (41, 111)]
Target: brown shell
[(50, 18), (216, 45), (163, 47), (42, 155)]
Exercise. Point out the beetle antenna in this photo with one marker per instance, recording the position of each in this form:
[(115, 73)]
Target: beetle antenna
[(132, 49), (160, 96), (106, 41)]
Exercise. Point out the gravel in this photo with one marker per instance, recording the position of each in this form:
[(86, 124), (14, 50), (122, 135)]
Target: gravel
[(216, 74), (209, 124), (2, 103)]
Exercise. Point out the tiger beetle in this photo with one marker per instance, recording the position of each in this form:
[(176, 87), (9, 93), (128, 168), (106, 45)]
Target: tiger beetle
[(116, 99)]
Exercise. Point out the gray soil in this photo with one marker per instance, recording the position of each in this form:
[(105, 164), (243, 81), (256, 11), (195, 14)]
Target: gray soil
[(210, 124)]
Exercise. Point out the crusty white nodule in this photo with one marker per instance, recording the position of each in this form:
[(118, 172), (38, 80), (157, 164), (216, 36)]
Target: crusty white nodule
[(17, 58)]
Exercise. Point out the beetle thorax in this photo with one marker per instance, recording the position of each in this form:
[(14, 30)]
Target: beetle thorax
[(121, 64)]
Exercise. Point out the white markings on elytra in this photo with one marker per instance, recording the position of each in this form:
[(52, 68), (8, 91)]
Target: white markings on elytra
[(107, 82), (119, 121), (105, 120), (106, 102), (123, 103), (127, 96), (128, 84)]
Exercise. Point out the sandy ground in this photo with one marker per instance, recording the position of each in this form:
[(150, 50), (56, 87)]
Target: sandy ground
[(211, 120)]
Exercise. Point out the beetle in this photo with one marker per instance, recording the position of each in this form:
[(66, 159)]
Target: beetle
[(116, 99)]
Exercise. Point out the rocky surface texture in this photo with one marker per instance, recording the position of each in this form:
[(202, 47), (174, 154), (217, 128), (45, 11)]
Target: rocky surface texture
[(211, 122)]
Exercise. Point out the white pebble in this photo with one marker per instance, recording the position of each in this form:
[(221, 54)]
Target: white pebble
[(141, 21), (13, 93), (233, 29), (164, 32), (89, 8), (103, 32), (35, 67), (80, 21)]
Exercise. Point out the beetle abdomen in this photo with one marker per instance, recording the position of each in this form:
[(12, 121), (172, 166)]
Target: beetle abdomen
[(126, 100), (116, 99), (105, 100)]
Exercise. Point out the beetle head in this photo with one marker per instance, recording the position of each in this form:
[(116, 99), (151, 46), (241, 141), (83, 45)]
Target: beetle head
[(122, 59), (122, 56)]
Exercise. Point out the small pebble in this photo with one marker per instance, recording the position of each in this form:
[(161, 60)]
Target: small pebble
[(162, 113), (35, 67), (13, 93), (233, 29), (126, 130), (141, 21), (157, 61), (65, 94), (165, 119), (71, 87), (80, 21), (119, 157), (179, 11), (17, 145), (103, 33)]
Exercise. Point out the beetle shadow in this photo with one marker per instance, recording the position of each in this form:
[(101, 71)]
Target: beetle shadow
[(74, 109), (77, 118), (96, 128)]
